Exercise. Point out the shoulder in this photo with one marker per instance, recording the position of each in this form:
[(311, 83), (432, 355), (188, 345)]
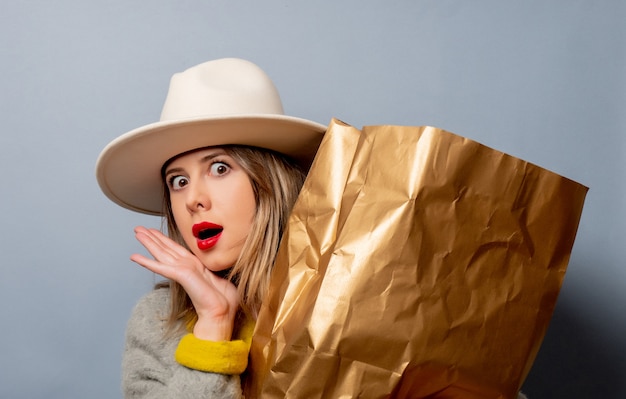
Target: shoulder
[(150, 312), (154, 300)]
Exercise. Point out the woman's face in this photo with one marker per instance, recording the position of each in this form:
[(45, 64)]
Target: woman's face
[(213, 205)]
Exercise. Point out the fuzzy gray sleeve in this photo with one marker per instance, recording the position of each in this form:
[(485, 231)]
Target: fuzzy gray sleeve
[(148, 366)]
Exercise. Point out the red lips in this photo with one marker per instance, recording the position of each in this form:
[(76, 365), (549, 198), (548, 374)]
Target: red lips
[(207, 234)]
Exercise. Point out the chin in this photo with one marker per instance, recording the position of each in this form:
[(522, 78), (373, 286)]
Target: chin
[(221, 268)]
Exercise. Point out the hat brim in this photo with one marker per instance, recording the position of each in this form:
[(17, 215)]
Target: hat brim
[(128, 170)]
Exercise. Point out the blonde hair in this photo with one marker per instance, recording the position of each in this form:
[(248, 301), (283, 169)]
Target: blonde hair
[(276, 182)]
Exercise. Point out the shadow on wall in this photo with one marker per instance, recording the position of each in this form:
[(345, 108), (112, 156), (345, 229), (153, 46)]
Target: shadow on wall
[(575, 361)]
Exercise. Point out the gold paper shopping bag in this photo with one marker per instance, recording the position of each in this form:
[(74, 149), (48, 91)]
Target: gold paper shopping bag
[(417, 264)]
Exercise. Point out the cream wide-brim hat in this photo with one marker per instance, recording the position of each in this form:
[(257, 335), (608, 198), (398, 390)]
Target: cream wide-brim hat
[(220, 102)]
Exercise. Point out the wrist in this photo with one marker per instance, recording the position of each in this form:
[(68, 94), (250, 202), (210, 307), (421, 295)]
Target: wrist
[(213, 330)]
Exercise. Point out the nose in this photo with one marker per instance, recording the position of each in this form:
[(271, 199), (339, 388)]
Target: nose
[(198, 197)]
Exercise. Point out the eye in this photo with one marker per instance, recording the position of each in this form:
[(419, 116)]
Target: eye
[(178, 182), (219, 168)]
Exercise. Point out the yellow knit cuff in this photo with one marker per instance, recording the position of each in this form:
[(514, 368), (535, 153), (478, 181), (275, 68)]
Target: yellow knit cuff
[(223, 357)]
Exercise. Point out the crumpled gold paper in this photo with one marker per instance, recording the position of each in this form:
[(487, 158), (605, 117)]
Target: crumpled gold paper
[(416, 264)]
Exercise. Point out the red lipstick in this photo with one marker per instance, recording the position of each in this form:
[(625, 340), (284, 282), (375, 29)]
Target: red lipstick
[(207, 234)]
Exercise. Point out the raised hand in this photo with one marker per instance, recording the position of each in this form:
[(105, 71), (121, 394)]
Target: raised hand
[(215, 299)]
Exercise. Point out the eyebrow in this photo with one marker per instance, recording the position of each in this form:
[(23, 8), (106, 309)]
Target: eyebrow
[(204, 159)]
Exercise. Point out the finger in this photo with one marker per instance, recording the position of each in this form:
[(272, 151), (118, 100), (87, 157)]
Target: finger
[(157, 246), (183, 272), (155, 266), (168, 255), (164, 241)]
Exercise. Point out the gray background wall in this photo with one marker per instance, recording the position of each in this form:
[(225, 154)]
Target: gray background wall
[(542, 80)]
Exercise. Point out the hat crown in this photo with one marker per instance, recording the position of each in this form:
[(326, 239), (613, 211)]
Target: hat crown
[(223, 102), (228, 86)]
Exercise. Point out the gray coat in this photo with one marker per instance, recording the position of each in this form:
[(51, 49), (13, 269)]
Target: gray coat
[(148, 366)]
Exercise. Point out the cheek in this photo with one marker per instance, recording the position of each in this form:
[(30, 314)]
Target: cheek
[(241, 198), (176, 212), (179, 211)]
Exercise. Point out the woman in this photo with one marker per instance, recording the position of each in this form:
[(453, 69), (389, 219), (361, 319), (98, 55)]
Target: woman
[(224, 167)]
